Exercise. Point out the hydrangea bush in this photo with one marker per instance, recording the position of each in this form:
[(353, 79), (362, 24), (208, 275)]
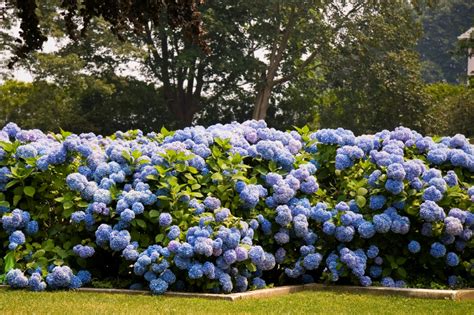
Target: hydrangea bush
[(235, 207)]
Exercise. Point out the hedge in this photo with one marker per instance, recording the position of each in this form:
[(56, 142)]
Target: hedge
[(235, 207)]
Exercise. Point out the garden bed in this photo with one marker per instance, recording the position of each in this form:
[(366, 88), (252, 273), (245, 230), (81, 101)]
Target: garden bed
[(236, 208)]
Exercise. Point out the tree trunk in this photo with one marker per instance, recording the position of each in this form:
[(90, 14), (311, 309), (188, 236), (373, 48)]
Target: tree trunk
[(262, 102), (182, 105)]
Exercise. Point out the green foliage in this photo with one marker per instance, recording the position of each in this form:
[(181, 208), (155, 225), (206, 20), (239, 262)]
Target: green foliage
[(374, 79), (368, 72), (83, 104), (438, 47), (451, 110)]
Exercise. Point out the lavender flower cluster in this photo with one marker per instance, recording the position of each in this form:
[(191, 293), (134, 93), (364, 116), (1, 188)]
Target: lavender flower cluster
[(236, 207)]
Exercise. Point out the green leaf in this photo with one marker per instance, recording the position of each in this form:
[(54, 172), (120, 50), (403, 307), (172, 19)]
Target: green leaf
[(164, 131), (12, 183), (68, 205), (159, 238), (362, 191), (402, 272), (39, 253), (29, 191), (82, 204), (48, 245), (386, 271), (16, 199), (5, 204), (400, 260), (360, 201), (7, 146), (192, 170), (9, 261), (126, 155), (412, 210), (136, 154), (261, 170), (217, 176), (390, 259), (251, 267), (141, 223), (154, 214)]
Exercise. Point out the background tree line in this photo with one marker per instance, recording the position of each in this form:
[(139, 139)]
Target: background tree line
[(364, 67)]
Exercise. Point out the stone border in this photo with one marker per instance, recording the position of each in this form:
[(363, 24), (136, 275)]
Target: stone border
[(456, 295)]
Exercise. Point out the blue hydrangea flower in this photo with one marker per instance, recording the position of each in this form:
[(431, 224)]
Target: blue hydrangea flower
[(85, 276), (396, 172), (452, 259), (432, 194), (437, 250), (83, 251), (344, 233), (366, 230), (36, 283), (388, 282), (374, 177), (16, 238), (165, 219), (16, 279), (212, 203), (382, 223), (372, 251), (394, 186), (59, 277), (431, 212), (453, 226), (158, 286), (127, 215), (414, 247), (312, 261), (119, 240), (377, 202)]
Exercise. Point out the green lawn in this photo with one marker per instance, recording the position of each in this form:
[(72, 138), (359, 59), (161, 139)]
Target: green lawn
[(23, 302)]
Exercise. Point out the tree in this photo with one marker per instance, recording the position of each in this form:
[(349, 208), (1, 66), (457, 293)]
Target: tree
[(264, 57), (373, 77), (87, 104), (442, 24), (293, 34), (451, 110), (39, 105), (121, 15)]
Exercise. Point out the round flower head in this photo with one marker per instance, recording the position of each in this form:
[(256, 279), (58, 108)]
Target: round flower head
[(212, 203), (165, 219), (437, 250), (414, 247)]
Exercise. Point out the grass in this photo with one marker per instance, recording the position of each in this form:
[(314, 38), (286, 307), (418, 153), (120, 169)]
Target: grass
[(24, 302)]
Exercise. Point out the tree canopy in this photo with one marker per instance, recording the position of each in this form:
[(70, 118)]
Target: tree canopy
[(121, 15), (290, 62), (438, 47)]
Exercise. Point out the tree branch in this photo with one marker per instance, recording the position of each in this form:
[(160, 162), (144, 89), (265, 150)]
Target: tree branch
[(190, 78), (297, 71), (151, 44), (199, 79), (165, 60), (311, 57), (283, 44)]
